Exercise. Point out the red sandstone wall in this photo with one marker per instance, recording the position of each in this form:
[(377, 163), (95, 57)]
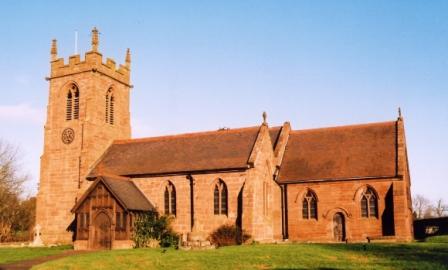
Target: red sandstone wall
[(261, 216), (205, 220), (262, 195), (342, 196), (403, 214)]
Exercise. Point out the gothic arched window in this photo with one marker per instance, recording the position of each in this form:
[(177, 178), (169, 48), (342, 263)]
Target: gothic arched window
[(309, 206), (72, 105), (109, 107), (369, 204), (170, 199), (220, 198), (76, 104), (68, 115)]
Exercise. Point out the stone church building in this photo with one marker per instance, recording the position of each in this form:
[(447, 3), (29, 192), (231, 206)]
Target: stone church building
[(347, 183)]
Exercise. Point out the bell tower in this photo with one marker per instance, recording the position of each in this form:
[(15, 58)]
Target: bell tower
[(88, 108)]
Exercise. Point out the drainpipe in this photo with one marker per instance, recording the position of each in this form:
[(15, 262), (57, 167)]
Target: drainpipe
[(284, 199), (189, 177)]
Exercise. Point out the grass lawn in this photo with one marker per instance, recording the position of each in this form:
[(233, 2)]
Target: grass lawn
[(8, 255), (437, 239), (285, 256)]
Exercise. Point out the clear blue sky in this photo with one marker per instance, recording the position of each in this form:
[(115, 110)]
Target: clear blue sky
[(201, 65)]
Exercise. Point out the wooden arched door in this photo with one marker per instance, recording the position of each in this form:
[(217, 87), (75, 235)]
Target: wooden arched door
[(339, 227), (102, 239)]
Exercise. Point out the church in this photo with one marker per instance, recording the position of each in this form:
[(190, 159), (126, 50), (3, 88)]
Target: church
[(333, 184)]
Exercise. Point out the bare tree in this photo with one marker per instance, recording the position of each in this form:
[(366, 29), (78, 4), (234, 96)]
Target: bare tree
[(440, 208), (420, 205), (11, 187)]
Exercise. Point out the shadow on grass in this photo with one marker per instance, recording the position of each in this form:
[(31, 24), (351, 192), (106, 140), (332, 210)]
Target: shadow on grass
[(407, 253), (320, 268)]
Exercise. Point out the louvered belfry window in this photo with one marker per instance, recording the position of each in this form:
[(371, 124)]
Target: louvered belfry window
[(220, 205), (76, 104), (109, 108), (68, 115), (72, 104)]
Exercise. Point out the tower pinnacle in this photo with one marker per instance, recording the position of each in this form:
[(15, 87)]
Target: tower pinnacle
[(128, 58), (95, 39), (54, 50)]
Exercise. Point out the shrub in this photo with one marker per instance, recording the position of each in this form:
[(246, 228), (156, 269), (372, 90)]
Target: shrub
[(228, 235), (150, 226), (169, 239)]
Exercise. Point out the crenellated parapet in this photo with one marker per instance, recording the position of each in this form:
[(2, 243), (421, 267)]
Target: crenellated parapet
[(93, 62)]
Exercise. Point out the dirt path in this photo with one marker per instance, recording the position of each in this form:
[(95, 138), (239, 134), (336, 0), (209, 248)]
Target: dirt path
[(25, 265)]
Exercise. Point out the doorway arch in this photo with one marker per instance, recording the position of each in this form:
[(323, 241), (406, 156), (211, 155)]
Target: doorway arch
[(339, 234)]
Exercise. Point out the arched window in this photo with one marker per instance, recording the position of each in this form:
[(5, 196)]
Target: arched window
[(220, 198), (68, 115), (76, 104), (369, 204), (309, 206), (170, 199), (364, 207), (72, 105), (109, 107)]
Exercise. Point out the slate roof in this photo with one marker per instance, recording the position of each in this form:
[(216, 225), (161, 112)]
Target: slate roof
[(346, 152), (124, 190), (357, 151), (202, 151), (128, 193)]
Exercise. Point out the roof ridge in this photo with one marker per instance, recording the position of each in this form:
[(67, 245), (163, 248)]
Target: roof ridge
[(342, 127), (113, 176), (182, 135)]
